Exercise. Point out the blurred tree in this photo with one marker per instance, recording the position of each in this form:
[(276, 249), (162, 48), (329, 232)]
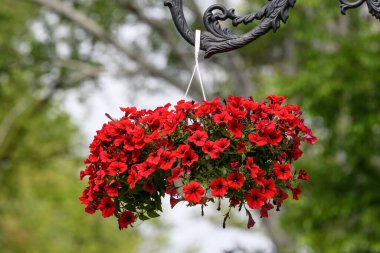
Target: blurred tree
[(39, 164), (336, 80)]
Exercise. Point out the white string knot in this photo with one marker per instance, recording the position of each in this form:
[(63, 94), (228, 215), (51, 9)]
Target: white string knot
[(197, 47)]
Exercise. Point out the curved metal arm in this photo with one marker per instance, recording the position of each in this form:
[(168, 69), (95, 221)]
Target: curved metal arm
[(218, 40), (373, 6)]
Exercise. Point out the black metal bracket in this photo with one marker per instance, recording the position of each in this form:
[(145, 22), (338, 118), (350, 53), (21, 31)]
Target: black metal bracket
[(215, 39), (373, 6)]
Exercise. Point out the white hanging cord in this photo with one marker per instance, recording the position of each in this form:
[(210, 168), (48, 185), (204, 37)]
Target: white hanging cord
[(197, 47)]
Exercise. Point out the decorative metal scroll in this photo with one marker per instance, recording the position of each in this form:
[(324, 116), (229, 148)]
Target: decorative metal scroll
[(217, 39), (373, 6)]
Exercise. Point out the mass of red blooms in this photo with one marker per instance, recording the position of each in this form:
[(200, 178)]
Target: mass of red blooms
[(237, 149)]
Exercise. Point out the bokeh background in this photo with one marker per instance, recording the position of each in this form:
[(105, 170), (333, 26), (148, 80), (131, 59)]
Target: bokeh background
[(64, 63)]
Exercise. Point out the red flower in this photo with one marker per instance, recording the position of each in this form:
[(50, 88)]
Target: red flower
[(240, 147), (211, 149), (222, 144), (189, 158), (282, 171), (235, 180), (235, 128), (255, 199), (252, 167), (281, 196), (181, 150), (149, 187), (223, 117), (303, 175), (198, 138), (269, 188), (116, 168), (107, 207), (235, 165), (251, 222), (264, 210), (256, 139), (296, 192), (145, 169), (194, 127), (219, 187), (176, 174), (174, 201), (133, 178), (274, 137), (112, 190), (155, 157), (193, 192), (167, 160), (276, 99), (126, 218), (234, 201)]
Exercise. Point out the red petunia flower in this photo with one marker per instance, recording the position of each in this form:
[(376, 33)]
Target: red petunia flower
[(257, 139), (149, 187), (211, 149), (303, 175), (296, 191), (189, 158), (126, 218), (240, 147), (176, 174), (274, 137), (268, 188), (235, 180), (282, 171), (145, 169), (107, 207), (193, 192), (223, 117), (276, 99), (280, 197), (133, 178), (222, 144), (235, 128), (234, 201), (264, 210), (193, 127), (112, 190), (198, 138), (252, 168), (174, 201), (255, 199), (155, 157), (219, 187), (116, 168), (181, 150), (167, 160)]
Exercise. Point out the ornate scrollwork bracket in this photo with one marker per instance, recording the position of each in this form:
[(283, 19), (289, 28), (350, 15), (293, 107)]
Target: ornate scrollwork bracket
[(373, 6), (217, 39)]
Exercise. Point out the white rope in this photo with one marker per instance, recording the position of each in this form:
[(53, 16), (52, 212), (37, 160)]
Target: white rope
[(196, 67)]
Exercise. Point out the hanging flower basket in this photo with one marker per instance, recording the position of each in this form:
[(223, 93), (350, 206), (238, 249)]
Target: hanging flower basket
[(239, 149)]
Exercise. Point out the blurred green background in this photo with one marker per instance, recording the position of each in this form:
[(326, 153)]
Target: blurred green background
[(327, 63)]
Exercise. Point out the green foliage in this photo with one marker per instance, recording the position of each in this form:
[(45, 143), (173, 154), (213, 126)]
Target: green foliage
[(337, 83), (39, 167)]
